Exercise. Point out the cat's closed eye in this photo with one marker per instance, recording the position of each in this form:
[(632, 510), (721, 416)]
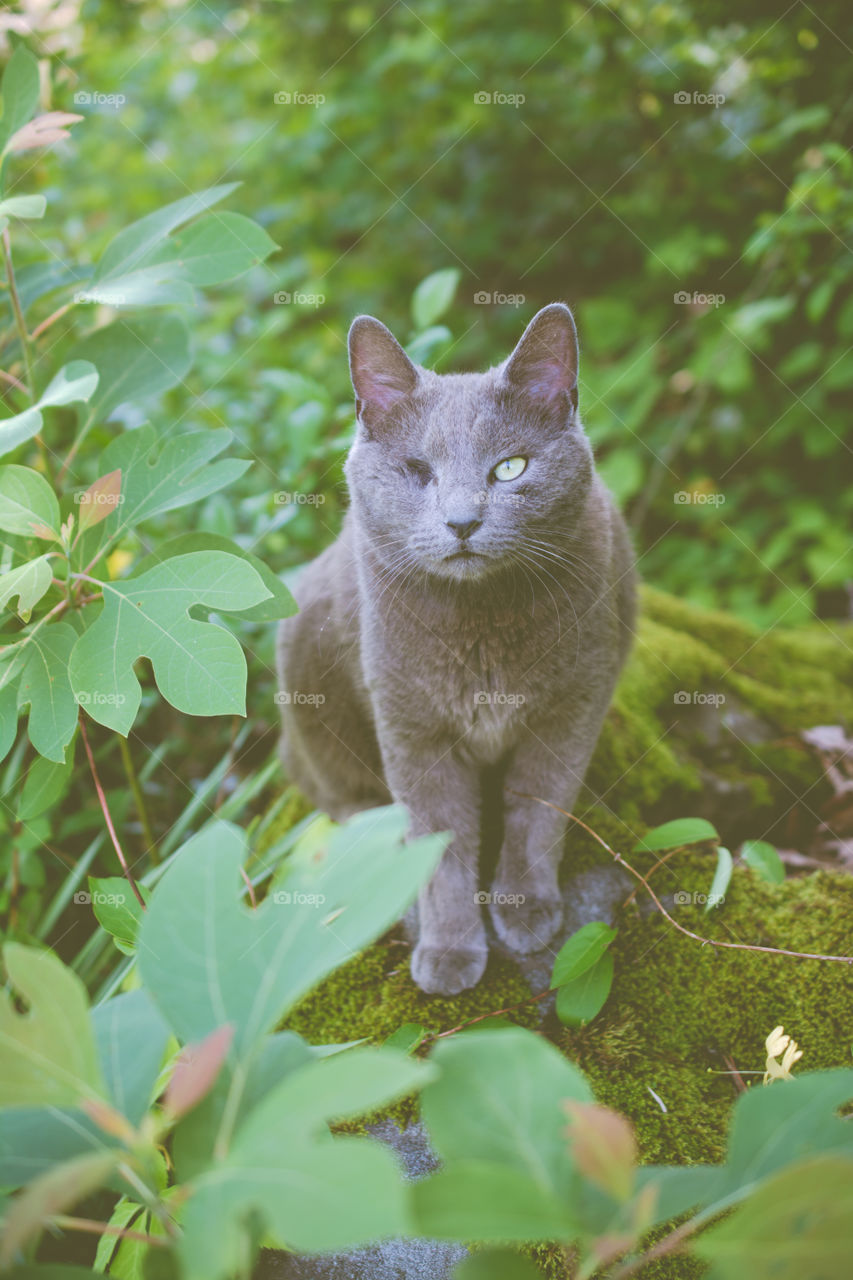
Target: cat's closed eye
[(421, 471)]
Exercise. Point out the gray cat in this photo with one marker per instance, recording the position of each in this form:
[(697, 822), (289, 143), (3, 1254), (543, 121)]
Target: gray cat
[(460, 641)]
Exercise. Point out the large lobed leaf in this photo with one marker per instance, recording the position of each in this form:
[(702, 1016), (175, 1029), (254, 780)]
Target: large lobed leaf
[(249, 967), (199, 667)]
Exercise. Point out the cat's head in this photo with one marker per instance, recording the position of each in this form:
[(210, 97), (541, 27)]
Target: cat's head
[(459, 475)]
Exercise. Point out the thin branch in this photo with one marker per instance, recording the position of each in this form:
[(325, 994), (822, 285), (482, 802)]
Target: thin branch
[(107, 816), (440, 1035), (13, 381), (106, 1229), (51, 319), (17, 311), (688, 933)]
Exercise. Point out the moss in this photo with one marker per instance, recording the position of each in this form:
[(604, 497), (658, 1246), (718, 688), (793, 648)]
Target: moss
[(681, 1013), (373, 995)]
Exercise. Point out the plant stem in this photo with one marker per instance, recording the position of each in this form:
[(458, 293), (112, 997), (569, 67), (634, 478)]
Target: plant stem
[(17, 311), (106, 1229), (133, 782), (45, 324), (21, 326), (102, 799)]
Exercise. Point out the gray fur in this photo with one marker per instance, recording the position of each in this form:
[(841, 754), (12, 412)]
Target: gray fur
[(438, 675)]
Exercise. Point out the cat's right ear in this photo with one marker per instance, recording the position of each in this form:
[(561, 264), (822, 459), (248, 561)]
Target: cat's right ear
[(382, 374)]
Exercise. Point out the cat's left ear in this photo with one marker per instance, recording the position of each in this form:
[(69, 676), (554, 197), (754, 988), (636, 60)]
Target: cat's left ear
[(544, 365), (382, 374)]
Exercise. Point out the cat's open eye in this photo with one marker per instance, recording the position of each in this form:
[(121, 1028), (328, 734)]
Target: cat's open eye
[(422, 471), (509, 468)]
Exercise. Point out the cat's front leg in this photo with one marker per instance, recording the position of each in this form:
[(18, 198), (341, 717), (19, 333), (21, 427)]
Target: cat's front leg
[(549, 763), (441, 794)]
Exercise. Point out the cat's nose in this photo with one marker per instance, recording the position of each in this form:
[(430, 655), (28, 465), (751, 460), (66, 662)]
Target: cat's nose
[(463, 528)]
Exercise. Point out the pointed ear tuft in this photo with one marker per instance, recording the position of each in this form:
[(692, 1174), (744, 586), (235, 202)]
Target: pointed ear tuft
[(382, 374), (544, 365)]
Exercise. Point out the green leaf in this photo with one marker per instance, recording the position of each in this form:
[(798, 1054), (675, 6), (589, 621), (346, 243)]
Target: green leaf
[(489, 1202), (116, 909), (44, 784), (433, 296), (34, 1139), (282, 1156), (198, 666), (722, 876), (280, 604), (580, 1000), (582, 950), (250, 967), (485, 1105), (132, 246), (76, 381), (407, 1038), (20, 92), (131, 1037), (496, 1264), (671, 835), (763, 859), (28, 583), (48, 1195), (160, 476), (49, 1052), (218, 247), (45, 686), (23, 207), (797, 1226), (27, 503), (776, 1127), (135, 360)]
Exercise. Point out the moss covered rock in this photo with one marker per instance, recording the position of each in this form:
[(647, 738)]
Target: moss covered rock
[(705, 722)]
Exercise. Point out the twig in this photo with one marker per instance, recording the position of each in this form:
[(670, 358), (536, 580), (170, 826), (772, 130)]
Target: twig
[(107, 817), (250, 887), (51, 319), (13, 381), (106, 1229), (20, 323), (495, 1013), (697, 937)]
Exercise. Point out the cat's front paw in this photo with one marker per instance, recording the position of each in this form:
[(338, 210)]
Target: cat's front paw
[(445, 971), (528, 925)]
